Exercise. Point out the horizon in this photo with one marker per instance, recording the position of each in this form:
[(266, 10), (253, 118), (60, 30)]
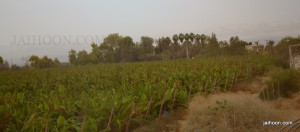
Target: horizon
[(250, 20)]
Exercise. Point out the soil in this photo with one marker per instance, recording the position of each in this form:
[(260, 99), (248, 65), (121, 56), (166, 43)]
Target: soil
[(171, 122)]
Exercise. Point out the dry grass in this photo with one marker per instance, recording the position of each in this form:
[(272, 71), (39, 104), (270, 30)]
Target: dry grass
[(283, 83), (252, 86), (288, 103), (233, 112)]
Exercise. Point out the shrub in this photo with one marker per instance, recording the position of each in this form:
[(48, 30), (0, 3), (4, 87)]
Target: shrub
[(283, 83), (232, 112)]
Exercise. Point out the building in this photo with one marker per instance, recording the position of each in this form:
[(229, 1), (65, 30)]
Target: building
[(294, 56), (296, 60), (255, 48)]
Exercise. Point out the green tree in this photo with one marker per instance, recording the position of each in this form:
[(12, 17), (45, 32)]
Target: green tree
[(204, 40), (125, 49), (237, 46), (46, 62), (43, 62), (175, 48), (181, 37), (3, 64), (175, 39), (197, 39), (212, 48), (281, 50), (197, 46), (56, 62), (1, 61), (187, 44), (83, 57), (225, 49), (73, 57), (95, 55), (109, 47), (163, 45), (147, 44), (191, 37), (270, 46), (34, 61)]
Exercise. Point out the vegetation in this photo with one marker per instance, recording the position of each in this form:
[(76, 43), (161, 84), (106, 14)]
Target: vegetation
[(114, 96), (1, 61), (281, 50), (283, 83), (118, 97), (117, 48), (3, 64), (232, 112), (44, 62)]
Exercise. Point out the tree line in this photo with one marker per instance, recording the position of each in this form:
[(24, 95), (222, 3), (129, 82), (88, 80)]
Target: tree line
[(43, 62), (35, 62), (116, 48), (3, 64)]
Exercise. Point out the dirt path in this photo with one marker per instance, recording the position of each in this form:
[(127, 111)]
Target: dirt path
[(247, 105)]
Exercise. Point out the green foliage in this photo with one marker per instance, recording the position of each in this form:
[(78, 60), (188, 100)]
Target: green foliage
[(3, 64), (147, 44), (90, 126), (237, 46), (117, 48), (73, 56), (44, 62), (220, 108), (87, 97), (1, 61), (281, 50), (82, 57), (212, 48), (163, 44), (283, 83)]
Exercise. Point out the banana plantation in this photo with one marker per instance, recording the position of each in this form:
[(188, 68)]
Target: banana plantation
[(114, 97)]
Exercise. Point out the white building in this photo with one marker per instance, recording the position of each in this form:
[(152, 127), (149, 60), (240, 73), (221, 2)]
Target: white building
[(297, 61)]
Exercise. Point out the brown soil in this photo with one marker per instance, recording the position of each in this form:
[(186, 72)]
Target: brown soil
[(166, 123), (252, 86), (244, 93), (288, 103)]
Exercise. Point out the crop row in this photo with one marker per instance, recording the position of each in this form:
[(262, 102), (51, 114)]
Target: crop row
[(114, 97)]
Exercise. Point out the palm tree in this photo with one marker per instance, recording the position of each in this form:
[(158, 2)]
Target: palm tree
[(203, 39), (186, 37), (197, 38), (191, 44), (181, 37), (270, 44), (191, 37), (197, 43), (168, 42), (175, 39), (175, 45), (186, 43), (1, 61)]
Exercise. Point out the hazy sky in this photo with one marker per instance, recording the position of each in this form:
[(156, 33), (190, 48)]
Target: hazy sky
[(55, 20)]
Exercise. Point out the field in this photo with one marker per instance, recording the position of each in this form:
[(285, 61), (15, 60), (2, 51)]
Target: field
[(114, 97)]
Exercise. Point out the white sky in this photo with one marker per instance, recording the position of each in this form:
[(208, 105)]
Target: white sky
[(251, 20)]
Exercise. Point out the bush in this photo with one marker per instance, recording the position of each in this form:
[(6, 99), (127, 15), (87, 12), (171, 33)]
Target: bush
[(232, 112), (281, 50), (283, 83)]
